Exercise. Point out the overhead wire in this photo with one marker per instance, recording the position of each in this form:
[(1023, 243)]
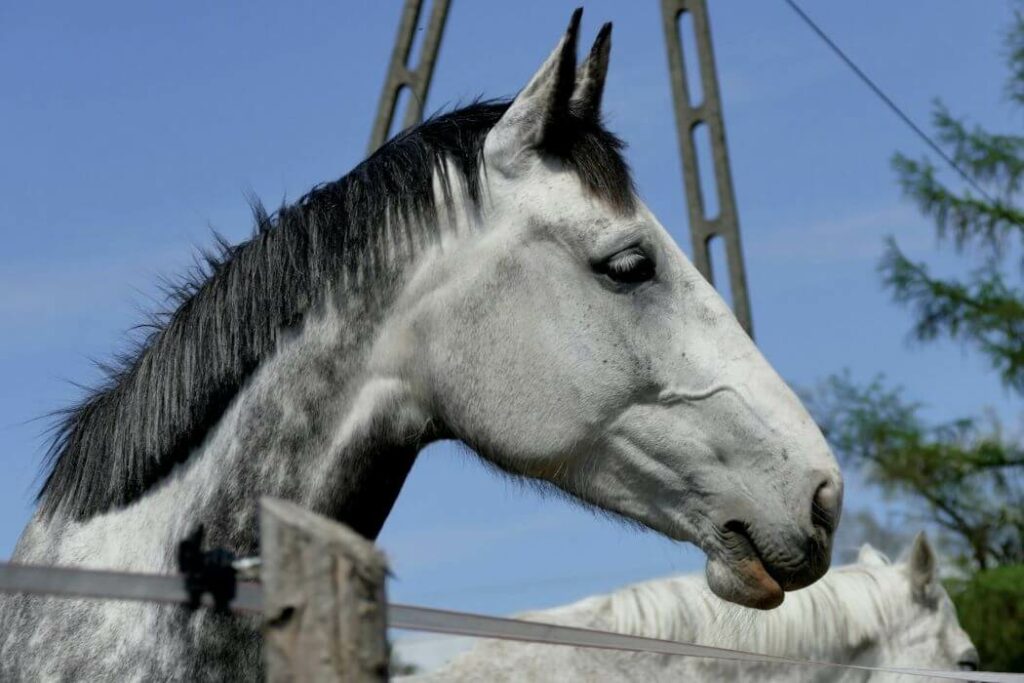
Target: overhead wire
[(887, 100)]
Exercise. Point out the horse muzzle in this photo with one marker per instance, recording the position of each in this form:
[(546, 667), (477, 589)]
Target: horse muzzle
[(753, 564)]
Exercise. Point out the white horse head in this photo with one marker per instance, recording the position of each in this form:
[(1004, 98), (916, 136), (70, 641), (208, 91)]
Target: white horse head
[(925, 632), (567, 338)]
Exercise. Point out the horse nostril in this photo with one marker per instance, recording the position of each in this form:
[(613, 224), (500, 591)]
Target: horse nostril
[(825, 505)]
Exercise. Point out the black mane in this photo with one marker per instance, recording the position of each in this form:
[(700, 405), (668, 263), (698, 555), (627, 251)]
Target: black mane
[(159, 401)]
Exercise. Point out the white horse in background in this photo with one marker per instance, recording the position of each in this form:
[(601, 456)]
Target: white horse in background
[(872, 613)]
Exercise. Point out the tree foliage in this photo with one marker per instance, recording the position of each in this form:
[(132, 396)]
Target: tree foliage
[(991, 608), (966, 475), (985, 309)]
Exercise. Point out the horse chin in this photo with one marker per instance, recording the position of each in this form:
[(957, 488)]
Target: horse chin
[(744, 581)]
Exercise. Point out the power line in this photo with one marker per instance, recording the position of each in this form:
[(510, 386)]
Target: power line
[(888, 100)]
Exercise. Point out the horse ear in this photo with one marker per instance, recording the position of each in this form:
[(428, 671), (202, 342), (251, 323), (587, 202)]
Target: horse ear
[(922, 565), (872, 556), (538, 108), (586, 97)]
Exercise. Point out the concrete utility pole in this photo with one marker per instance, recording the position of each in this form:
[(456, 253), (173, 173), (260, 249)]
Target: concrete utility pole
[(689, 117), (403, 75)]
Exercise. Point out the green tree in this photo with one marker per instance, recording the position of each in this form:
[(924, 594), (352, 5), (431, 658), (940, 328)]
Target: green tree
[(985, 310), (965, 476), (990, 605)]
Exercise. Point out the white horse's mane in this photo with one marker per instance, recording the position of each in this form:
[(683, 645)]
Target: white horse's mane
[(872, 612), (845, 610)]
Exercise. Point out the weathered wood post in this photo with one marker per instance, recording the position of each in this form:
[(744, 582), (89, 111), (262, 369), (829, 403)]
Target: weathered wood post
[(324, 599)]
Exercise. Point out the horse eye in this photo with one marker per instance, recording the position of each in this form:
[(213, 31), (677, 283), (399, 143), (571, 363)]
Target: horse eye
[(629, 267)]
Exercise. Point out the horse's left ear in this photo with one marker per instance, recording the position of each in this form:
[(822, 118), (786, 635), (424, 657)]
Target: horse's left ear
[(586, 97), (922, 565), (538, 108)]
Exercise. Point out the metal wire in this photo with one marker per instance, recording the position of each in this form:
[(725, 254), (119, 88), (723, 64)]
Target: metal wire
[(98, 584), (888, 101)]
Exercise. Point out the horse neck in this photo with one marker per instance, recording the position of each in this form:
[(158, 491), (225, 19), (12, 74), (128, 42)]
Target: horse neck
[(314, 425), (832, 620)]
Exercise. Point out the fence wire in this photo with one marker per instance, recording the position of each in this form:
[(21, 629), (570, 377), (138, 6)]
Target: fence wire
[(69, 582)]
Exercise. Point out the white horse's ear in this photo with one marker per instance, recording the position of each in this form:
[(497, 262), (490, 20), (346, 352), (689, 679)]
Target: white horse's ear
[(872, 556), (922, 566), (586, 97), (538, 108)]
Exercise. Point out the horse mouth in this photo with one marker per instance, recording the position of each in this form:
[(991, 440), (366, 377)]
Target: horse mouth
[(737, 573)]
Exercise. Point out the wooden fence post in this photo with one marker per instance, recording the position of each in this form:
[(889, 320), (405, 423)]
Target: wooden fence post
[(324, 599)]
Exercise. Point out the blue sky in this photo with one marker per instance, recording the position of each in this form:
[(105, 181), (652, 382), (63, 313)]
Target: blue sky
[(130, 128)]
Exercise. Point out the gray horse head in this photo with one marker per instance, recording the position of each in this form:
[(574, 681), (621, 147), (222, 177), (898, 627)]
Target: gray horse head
[(564, 336)]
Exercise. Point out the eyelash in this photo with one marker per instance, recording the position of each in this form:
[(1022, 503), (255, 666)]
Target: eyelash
[(629, 267)]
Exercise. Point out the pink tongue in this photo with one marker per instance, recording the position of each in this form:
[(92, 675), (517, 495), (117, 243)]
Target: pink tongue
[(744, 582)]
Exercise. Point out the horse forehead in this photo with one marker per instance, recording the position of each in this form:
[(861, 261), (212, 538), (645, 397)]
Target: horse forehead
[(548, 204), (557, 193), (581, 225), (587, 221)]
